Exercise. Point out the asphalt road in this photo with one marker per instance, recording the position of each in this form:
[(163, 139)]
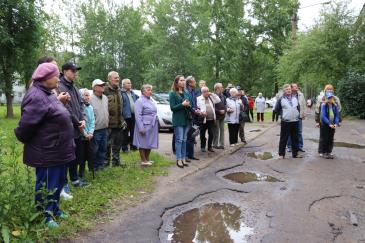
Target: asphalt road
[(315, 199)]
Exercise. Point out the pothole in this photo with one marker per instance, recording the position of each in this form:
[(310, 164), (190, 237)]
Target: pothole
[(342, 144), (246, 177), (215, 222), (260, 155), (255, 130)]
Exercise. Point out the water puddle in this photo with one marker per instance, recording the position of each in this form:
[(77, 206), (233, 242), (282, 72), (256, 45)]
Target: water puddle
[(260, 155), (255, 130), (214, 222), (342, 144), (246, 177)]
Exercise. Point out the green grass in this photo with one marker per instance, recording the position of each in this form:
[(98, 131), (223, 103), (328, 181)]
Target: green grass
[(112, 189)]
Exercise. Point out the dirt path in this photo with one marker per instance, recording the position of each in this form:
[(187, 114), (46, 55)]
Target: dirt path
[(314, 200)]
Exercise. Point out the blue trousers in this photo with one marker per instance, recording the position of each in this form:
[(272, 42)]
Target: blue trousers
[(300, 136), (100, 140), (52, 179), (180, 141)]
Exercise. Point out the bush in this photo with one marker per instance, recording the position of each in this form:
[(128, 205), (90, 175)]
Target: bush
[(351, 91)]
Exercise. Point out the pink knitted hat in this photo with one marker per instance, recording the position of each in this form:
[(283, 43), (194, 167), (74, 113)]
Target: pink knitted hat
[(45, 71)]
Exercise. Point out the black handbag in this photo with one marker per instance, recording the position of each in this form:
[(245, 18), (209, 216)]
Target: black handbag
[(243, 117)]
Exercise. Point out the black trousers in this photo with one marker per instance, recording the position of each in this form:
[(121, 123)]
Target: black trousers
[(233, 130), (326, 137), (288, 129), (128, 134), (275, 116), (209, 125), (87, 154), (73, 165)]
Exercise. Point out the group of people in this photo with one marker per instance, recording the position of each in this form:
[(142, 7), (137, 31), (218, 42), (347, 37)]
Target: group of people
[(198, 110), (62, 127), (291, 108)]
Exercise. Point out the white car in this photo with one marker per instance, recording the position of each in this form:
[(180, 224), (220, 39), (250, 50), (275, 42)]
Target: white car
[(164, 113)]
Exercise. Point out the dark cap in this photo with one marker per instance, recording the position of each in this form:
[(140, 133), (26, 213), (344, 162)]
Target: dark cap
[(70, 66), (238, 87)]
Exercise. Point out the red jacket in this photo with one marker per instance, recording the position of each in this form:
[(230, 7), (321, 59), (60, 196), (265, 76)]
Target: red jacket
[(251, 103)]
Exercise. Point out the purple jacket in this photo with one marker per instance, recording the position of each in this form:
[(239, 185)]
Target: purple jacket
[(45, 128)]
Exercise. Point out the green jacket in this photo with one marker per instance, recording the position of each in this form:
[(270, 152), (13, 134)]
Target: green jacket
[(115, 104), (179, 112)]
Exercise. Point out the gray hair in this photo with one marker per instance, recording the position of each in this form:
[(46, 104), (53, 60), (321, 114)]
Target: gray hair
[(286, 86), (125, 80), (216, 86), (188, 80), (204, 89), (233, 91), (145, 87), (111, 73)]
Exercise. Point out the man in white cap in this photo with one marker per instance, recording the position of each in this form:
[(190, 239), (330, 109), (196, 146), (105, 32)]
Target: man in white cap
[(100, 104)]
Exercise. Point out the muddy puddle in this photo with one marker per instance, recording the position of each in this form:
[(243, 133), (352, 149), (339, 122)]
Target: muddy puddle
[(246, 177), (342, 144), (214, 222), (255, 130), (260, 155)]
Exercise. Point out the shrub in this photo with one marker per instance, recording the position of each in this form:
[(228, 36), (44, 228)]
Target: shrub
[(351, 91)]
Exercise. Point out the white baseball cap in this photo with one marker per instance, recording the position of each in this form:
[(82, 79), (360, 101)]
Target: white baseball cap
[(97, 82)]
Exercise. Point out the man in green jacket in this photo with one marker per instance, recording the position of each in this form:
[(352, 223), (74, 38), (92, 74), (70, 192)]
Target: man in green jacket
[(116, 120)]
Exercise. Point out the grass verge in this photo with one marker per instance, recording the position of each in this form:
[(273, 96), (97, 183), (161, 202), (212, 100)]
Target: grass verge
[(112, 188)]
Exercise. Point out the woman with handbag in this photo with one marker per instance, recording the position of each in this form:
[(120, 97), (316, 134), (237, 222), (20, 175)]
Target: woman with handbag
[(234, 107), (179, 105)]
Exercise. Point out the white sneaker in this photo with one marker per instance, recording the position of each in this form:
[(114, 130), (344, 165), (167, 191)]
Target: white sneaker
[(320, 155), (151, 161), (232, 145), (148, 163), (66, 196)]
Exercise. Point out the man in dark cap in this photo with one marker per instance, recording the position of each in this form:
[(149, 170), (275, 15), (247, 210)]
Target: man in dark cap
[(75, 108)]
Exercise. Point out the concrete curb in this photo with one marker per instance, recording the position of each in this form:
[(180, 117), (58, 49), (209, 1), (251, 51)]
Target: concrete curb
[(204, 164)]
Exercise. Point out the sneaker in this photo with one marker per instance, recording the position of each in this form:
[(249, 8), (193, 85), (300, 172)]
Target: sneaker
[(151, 161), (66, 188), (147, 163), (62, 216), (220, 147), (330, 156), (80, 183), (66, 196), (321, 155), (204, 150), (211, 150), (232, 145), (51, 224), (289, 150), (301, 150), (298, 156)]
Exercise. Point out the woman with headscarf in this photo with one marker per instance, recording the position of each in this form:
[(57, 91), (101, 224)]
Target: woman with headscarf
[(45, 128)]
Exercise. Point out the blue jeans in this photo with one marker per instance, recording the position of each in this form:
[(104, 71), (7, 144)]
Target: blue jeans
[(180, 141), (300, 136), (53, 180), (100, 140)]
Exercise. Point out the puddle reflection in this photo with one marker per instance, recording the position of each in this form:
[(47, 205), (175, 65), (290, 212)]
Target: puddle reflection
[(342, 144), (245, 177), (213, 223), (260, 155)]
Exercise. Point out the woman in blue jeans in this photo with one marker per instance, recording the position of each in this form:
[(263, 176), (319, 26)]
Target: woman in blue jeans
[(180, 107)]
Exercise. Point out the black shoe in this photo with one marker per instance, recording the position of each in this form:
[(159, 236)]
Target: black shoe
[(120, 165), (211, 150), (187, 160), (180, 165), (220, 147), (193, 158), (302, 150), (204, 150)]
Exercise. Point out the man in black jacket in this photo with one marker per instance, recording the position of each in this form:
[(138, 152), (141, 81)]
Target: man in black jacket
[(75, 108)]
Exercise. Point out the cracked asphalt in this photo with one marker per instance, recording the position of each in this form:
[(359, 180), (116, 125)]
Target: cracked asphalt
[(316, 200)]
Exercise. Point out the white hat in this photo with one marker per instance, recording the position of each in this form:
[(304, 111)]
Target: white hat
[(97, 82)]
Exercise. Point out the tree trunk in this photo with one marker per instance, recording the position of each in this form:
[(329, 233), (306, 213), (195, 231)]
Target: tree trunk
[(9, 97), (9, 105)]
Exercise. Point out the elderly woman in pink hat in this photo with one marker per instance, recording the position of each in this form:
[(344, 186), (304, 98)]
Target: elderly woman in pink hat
[(45, 128)]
